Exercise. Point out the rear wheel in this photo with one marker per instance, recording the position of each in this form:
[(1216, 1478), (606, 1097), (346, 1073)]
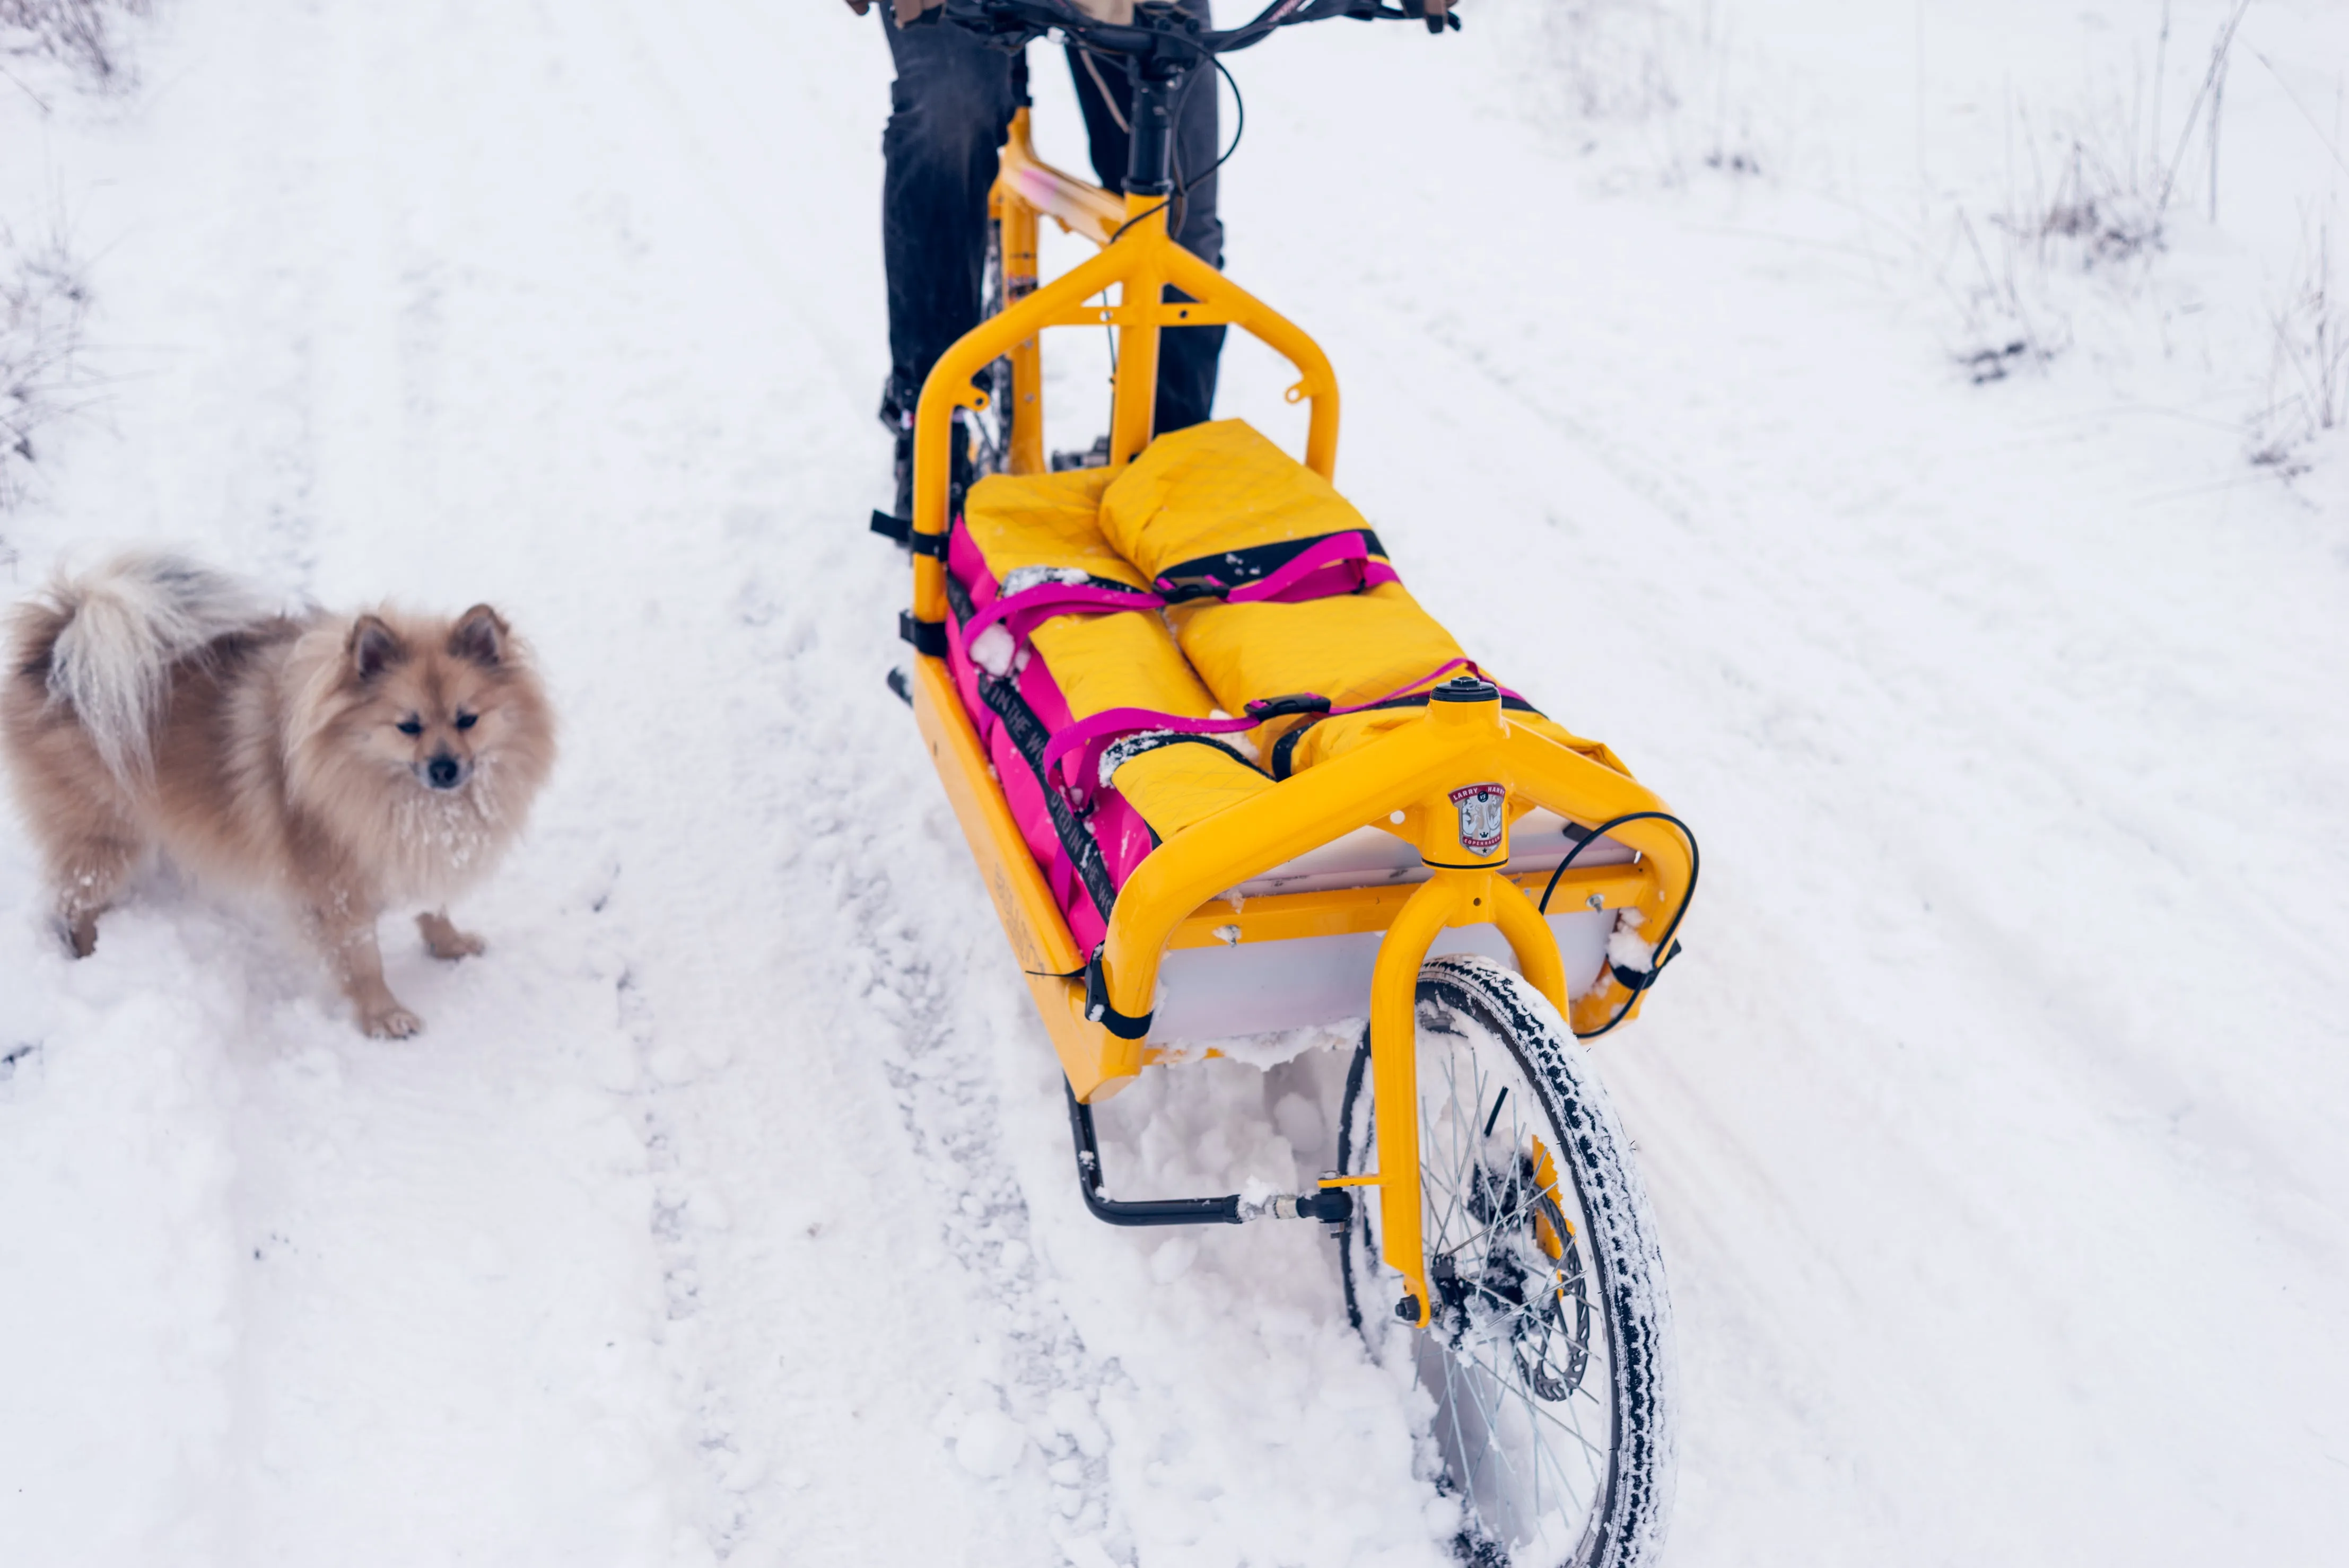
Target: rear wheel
[(1545, 1354), (991, 428)]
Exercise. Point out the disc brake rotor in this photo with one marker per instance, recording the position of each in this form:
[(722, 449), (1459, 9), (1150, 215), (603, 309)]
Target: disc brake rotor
[(1517, 1280)]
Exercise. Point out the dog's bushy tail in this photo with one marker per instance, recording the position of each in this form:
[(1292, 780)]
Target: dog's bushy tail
[(118, 631)]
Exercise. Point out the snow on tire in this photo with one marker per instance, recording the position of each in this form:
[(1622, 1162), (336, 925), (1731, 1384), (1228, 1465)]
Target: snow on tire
[(1547, 1356)]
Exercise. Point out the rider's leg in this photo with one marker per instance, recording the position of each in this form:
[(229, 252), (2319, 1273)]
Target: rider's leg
[(1187, 356), (948, 107)]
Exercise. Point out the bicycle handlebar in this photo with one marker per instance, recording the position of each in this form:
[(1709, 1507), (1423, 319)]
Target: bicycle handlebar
[(1158, 30)]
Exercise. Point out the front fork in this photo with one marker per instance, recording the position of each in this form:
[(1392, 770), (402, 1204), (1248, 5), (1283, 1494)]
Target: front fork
[(1457, 893)]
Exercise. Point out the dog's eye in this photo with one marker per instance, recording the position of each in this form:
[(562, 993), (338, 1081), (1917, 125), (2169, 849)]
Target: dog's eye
[(409, 726), (467, 720)]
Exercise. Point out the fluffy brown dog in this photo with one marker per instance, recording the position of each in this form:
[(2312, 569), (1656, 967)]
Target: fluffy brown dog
[(347, 762)]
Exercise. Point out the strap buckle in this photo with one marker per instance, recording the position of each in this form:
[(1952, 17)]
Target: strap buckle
[(1283, 706)]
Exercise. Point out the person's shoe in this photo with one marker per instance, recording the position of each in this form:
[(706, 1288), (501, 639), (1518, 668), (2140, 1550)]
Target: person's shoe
[(897, 418), (1093, 457), (897, 404)]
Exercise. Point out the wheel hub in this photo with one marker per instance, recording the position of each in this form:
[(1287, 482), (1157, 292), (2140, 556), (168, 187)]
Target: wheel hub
[(1511, 1285)]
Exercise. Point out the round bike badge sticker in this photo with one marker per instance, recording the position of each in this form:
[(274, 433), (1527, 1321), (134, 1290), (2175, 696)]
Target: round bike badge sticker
[(1480, 817)]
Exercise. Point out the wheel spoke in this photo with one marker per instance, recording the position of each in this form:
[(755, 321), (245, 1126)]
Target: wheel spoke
[(1519, 1352), (1481, 1197)]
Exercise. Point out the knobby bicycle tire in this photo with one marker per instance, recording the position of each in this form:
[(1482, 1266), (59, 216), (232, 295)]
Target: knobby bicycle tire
[(1501, 1358)]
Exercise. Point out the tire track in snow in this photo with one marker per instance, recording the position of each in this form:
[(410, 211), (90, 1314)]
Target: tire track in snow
[(682, 1209), (1051, 1385), (1027, 1379), (1036, 1384)]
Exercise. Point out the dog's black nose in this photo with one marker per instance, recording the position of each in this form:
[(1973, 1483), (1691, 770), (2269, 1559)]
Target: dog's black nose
[(441, 772)]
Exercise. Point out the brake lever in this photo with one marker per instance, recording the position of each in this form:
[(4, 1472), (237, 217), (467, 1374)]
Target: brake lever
[(1408, 11), (1013, 24), (1009, 26)]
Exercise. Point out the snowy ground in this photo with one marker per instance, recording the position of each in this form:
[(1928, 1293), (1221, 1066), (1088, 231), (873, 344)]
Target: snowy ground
[(724, 1213)]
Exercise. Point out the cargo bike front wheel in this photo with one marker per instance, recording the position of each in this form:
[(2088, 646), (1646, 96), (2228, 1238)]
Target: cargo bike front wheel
[(1544, 1351)]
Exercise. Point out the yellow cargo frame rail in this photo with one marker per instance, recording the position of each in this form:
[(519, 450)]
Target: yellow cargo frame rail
[(1402, 782)]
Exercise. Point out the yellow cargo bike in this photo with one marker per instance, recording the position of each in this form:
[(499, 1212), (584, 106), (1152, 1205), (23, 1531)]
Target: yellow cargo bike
[(1223, 776)]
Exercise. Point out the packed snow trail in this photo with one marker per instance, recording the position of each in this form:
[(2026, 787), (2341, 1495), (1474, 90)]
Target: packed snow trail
[(724, 1212)]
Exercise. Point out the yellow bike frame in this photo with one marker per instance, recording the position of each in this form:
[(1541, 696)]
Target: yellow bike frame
[(1402, 782)]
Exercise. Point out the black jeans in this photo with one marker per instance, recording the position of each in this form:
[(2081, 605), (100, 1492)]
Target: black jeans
[(948, 109)]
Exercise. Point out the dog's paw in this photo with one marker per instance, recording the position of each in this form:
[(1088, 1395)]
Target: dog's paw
[(391, 1022), (444, 941)]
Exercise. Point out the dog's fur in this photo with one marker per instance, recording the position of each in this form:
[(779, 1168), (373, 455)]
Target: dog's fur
[(156, 703)]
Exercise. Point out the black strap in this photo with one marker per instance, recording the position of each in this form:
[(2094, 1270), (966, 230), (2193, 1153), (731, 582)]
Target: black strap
[(1284, 750), (901, 530), (1120, 752), (927, 637), (1029, 737), (1213, 576), (1124, 1026), (1638, 980), (958, 601)]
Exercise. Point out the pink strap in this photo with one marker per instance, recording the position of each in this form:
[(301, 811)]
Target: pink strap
[(1089, 736), (1347, 555), (1023, 610)]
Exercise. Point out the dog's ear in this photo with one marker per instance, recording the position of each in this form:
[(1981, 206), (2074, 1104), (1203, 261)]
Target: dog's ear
[(480, 635), (373, 647)]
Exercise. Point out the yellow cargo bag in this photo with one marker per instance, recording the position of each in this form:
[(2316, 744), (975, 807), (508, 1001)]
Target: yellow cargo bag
[(1214, 516), (1044, 529), (1105, 662), (1218, 511), (1044, 521)]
